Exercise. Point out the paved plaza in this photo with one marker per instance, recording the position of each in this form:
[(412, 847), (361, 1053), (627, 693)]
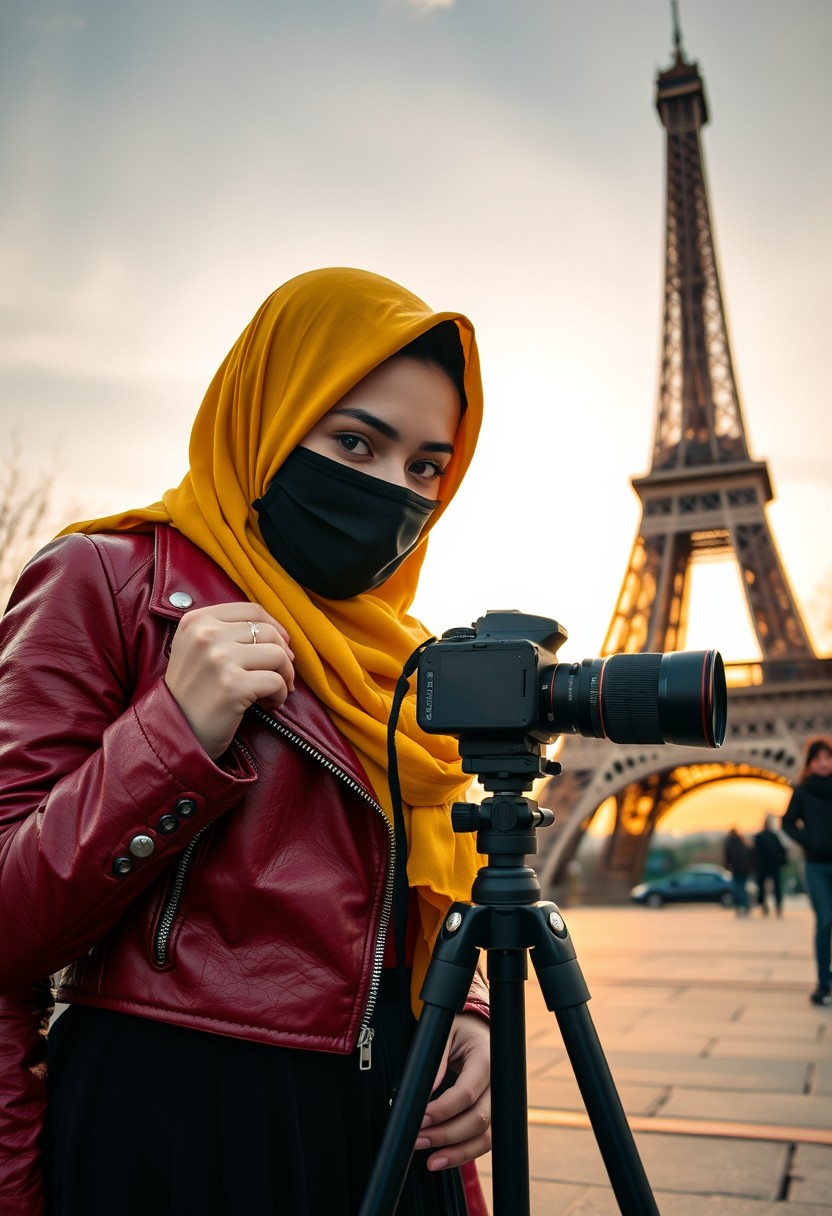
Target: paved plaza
[(723, 1066)]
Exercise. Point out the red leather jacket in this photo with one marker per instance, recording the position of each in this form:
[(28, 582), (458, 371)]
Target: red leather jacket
[(249, 898)]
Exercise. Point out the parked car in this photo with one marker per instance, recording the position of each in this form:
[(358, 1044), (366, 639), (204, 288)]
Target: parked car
[(701, 883)]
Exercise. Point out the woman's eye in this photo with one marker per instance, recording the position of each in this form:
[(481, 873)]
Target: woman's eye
[(428, 469), (354, 444)]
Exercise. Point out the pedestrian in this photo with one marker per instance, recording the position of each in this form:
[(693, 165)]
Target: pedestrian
[(770, 857), (808, 820), (195, 817), (737, 857)]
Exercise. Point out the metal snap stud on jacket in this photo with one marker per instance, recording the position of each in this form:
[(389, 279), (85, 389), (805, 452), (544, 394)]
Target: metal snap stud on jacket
[(142, 846)]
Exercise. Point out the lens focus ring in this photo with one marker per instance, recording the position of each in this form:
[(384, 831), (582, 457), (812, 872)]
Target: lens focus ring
[(629, 698)]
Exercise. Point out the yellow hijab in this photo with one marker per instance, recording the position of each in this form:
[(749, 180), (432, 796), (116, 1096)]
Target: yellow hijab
[(310, 342)]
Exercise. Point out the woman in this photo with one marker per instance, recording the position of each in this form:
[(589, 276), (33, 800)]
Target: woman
[(194, 808), (808, 820)]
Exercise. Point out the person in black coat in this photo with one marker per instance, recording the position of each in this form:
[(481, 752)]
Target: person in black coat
[(738, 860), (770, 856), (808, 820)]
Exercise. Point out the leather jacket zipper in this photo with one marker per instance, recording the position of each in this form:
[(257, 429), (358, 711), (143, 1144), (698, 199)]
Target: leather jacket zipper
[(161, 938), (164, 927), (366, 1032)]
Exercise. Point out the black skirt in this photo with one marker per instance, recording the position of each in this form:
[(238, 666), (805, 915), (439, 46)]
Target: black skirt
[(148, 1119)]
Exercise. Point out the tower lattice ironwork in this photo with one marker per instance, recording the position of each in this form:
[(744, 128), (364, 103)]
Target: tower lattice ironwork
[(704, 496)]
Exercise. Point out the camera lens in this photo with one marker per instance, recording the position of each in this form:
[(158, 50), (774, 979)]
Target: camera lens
[(639, 698)]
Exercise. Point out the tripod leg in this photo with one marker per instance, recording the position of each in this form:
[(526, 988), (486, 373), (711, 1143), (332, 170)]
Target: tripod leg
[(382, 1195), (444, 992), (507, 972), (606, 1114)]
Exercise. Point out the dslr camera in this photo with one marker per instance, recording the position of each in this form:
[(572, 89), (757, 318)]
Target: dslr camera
[(501, 678)]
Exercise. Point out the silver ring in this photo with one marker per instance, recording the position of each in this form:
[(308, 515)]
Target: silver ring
[(254, 629)]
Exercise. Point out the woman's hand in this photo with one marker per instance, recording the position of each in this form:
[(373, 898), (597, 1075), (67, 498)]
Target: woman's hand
[(222, 660), (457, 1124)]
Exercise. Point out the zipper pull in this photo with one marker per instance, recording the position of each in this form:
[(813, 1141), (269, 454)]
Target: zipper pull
[(365, 1052)]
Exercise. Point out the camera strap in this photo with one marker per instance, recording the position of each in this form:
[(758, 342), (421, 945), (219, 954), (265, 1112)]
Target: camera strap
[(401, 894)]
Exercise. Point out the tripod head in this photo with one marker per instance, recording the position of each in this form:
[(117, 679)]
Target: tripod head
[(506, 823), (505, 763)]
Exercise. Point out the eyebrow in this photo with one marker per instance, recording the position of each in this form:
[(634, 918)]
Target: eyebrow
[(388, 431)]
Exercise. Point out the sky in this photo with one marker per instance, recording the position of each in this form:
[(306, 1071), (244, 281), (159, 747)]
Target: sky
[(165, 165)]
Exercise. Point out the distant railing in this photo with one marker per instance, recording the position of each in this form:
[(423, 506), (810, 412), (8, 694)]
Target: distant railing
[(779, 671)]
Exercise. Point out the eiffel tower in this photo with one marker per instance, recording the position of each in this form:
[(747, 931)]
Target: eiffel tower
[(703, 497)]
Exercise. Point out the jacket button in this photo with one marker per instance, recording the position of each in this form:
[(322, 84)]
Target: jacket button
[(181, 599), (168, 824), (122, 865), (185, 807), (142, 846)]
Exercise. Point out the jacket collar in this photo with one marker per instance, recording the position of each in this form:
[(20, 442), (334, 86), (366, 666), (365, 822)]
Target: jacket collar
[(185, 577)]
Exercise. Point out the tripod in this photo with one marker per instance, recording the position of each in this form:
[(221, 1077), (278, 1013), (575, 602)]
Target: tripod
[(507, 919)]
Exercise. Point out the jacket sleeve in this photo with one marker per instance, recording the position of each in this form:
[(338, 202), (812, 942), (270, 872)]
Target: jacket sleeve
[(793, 823), (89, 765), (23, 1020), (93, 764), (478, 1000)]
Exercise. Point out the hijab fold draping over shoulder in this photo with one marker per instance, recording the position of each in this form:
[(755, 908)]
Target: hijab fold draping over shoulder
[(310, 342)]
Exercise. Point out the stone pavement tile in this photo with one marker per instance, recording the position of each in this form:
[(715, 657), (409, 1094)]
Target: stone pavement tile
[(811, 1172), (823, 1080), (788, 988), (670, 970), (791, 1110), (720, 1205), (786, 1011), (795, 972), (721, 1002), (749, 1047), (691, 1164), (608, 996), (765, 1014), (550, 1040), (552, 1199), (773, 1031), (681, 1013), (700, 1003), (541, 1059), (564, 1094), (780, 1076), (544, 1025), (664, 1040), (547, 1199), (713, 970)]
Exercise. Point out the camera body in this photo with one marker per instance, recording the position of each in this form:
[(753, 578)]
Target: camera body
[(486, 679), (502, 678)]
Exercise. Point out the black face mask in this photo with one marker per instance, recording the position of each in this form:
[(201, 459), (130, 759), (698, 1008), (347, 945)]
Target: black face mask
[(337, 531)]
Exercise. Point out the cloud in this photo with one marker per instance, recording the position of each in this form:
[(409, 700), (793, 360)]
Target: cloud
[(426, 6), (55, 23)]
